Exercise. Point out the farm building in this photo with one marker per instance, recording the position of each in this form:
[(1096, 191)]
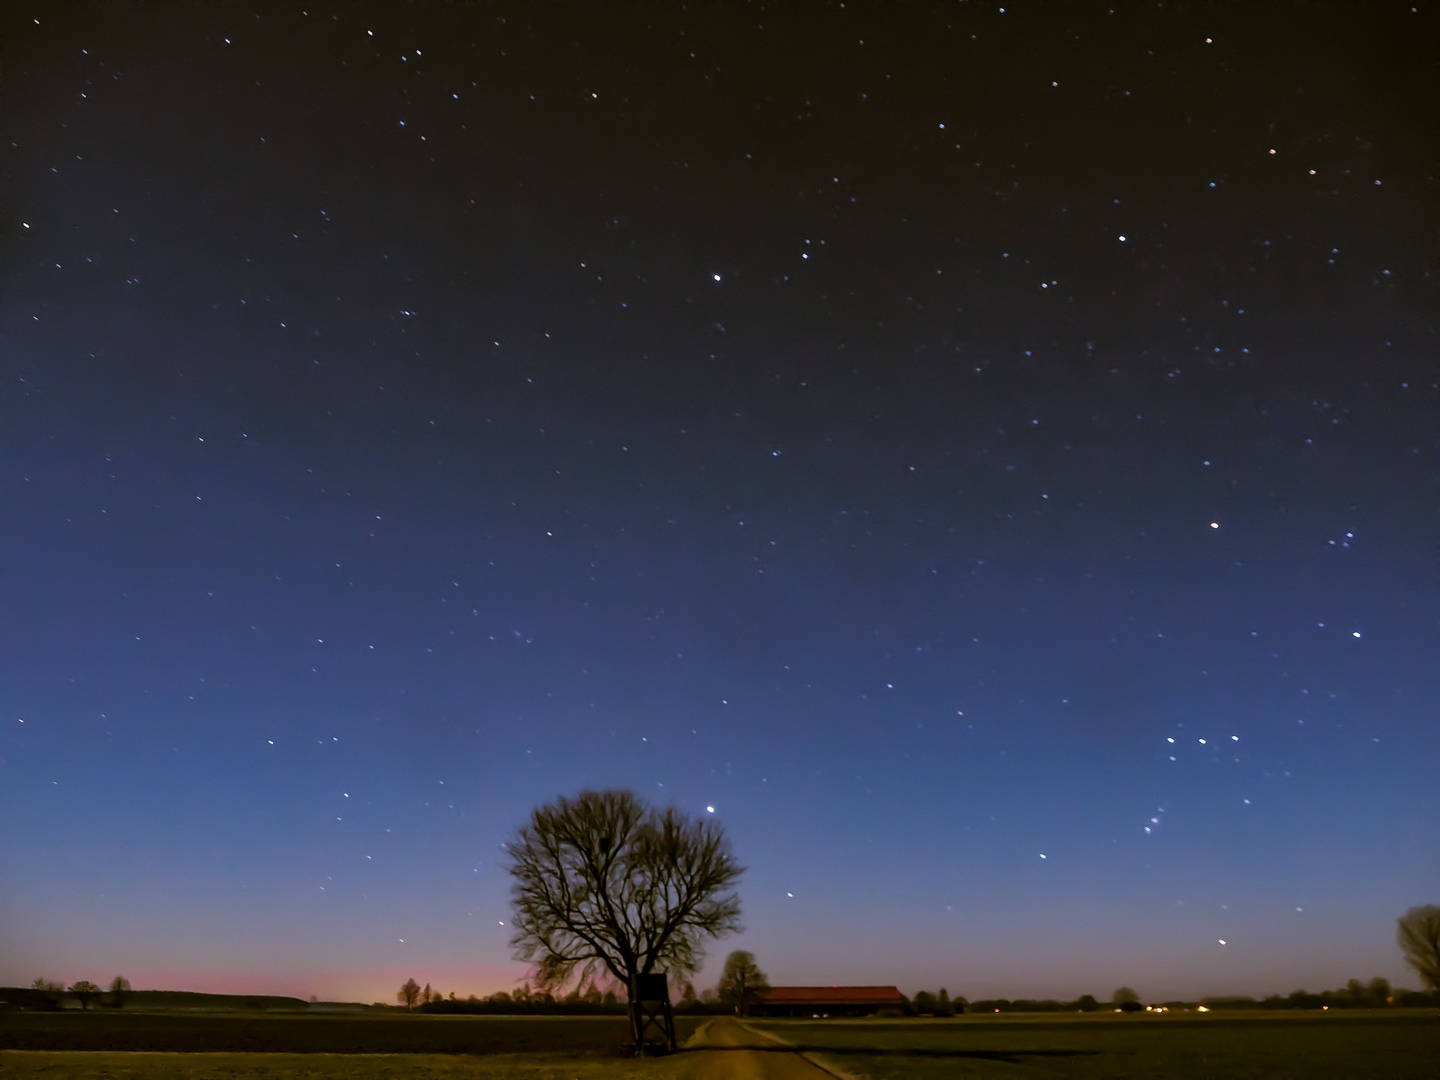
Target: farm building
[(829, 1001)]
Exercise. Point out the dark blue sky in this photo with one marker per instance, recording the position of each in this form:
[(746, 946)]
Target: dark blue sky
[(890, 428)]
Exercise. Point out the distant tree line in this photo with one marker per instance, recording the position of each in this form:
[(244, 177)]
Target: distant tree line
[(44, 994), (592, 1000), (1375, 994)]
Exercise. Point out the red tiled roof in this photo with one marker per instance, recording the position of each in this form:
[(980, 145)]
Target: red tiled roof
[(832, 995)]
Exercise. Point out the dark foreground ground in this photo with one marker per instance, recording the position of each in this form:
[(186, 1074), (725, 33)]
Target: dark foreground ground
[(309, 1034), (1359, 1045), (1392, 1044)]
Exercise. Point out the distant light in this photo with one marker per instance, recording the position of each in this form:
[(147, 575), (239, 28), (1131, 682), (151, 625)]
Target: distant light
[(1214, 524), (1042, 855), (1122, 239), (1355, 633), (716, 276), (1234, 738), (710, 809), (1221, 940), (790, 894)]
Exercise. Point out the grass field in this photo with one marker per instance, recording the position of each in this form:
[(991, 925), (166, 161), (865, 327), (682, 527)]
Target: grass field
[(577, 1037), (102, 1065), (1393, 1045)]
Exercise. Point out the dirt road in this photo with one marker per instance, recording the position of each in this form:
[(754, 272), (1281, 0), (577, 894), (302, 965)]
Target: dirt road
[(723, 1050)]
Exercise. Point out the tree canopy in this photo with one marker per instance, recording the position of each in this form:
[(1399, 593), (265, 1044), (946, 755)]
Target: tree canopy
[(1419, 934), (740, 981), (86, 991), (408, 994), (605, 883), (119, 988)]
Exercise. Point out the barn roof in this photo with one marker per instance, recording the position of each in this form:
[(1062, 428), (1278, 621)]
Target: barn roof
[(832, 995)]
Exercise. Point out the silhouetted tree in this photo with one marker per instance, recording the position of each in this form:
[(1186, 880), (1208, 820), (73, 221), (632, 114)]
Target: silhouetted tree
[(605, 882), (942, 1004), (1379, 989), (740, 981), (426, 995), (923, 1003), (408, 994), (1419, 934), (687, 994), (86, 991), (1124, 994), (1087, 1003), (119, 989)]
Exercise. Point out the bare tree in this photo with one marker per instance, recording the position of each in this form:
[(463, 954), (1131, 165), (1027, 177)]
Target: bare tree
[(741, 981), (604, 882), (86, 991), (1419, 933), (408, 994)]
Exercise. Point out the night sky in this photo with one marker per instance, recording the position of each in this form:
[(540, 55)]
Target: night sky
[(988, 454)]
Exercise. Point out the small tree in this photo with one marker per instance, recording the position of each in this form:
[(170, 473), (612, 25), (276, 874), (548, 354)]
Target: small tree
[(923, 1003), (1379, 989), (86, 991), (1419, 935), (605, 882), (408, 994), (119, 990), (740, 981), (1124, 994), (427, 995), (942, 1004)]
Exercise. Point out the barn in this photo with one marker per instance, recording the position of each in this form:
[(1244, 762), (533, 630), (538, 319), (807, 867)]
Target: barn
[(829, 1001)]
